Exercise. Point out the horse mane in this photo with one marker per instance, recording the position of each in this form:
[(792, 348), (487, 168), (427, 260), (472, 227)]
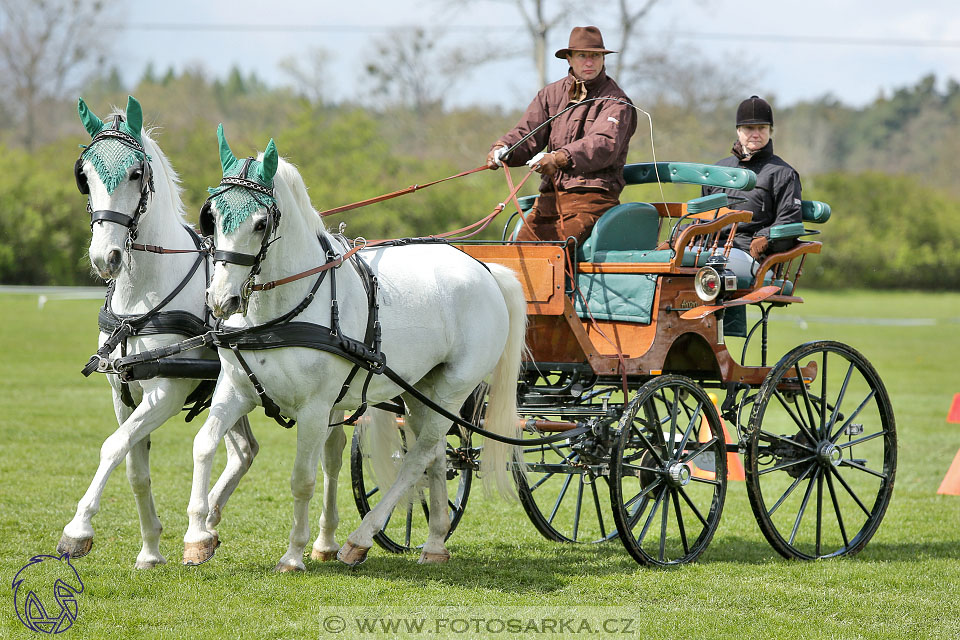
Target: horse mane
[(293, 199)]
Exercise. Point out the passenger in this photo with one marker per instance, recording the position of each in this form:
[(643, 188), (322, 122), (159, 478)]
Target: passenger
[(586, 147), (776, 198)]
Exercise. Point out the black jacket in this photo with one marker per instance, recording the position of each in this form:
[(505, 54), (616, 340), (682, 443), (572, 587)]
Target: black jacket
[(774, 201)]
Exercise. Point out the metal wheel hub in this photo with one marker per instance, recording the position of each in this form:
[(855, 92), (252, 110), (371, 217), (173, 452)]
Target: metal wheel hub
[(829, 454), (678, 474)]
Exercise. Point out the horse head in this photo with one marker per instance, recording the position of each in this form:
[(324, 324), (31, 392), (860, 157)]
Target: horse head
[(242, 216), (114, 172)]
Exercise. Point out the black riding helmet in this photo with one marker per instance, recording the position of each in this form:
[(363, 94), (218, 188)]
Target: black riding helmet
[(754, 110)]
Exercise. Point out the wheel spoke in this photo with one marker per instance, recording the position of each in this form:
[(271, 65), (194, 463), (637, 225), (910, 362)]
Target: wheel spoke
[(795, 417), (824, 425), (788, 440), (541, 481), (789, 490), (694, 420), (646, 443), (854, 443), (683, 531), (781, 467), (697, 452), (693, 507), (840, 396), (596, 504), (836, 509), (576, 511), (664, 518), (807, 403), (372, 492), (860, 467), (843, 427), (803, 507), (653, 513), (556, 505), (819, 510), (850, 491)]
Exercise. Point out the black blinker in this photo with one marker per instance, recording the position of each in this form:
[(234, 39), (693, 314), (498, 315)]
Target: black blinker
[(81, 177)]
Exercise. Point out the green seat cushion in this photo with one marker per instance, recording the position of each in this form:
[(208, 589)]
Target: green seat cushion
[(623, 297)]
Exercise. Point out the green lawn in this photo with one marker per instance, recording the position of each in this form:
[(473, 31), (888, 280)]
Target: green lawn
[(905, 584)]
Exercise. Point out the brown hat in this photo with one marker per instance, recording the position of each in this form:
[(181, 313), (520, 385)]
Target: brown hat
[(584, 39)]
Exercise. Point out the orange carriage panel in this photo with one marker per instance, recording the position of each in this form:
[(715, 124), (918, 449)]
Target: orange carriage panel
[(538, 267)]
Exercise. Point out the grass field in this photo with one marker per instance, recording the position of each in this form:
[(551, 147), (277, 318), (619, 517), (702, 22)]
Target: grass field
[(905, 584)]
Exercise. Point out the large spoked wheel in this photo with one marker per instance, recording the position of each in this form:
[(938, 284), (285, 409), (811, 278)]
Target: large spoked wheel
[(821, 453), (407, 527), (668, 473), (564, 488)]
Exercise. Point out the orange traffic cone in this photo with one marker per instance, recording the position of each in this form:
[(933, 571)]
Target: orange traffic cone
[(951, 482), (954, 414), (735, 469)]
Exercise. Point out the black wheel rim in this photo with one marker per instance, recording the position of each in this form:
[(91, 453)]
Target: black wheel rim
[(668, 472), (821, 456), (407, 527)]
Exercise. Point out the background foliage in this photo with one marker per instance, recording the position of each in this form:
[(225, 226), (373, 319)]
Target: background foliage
[(885, 168)]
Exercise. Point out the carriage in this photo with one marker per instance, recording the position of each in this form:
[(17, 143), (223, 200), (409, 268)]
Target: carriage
[(624, 433), (636, 413)]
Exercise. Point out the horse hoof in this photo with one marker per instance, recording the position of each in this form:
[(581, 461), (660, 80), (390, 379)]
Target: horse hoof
[(351, 554), (149, 564), (195, 553), (283, 567), (434, 558), (73, 547), (322, 556)]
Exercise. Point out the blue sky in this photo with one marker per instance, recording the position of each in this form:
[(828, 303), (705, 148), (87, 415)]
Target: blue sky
[(853, 49)]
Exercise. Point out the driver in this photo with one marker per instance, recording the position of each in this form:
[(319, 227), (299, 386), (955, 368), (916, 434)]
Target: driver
[(581, 153)]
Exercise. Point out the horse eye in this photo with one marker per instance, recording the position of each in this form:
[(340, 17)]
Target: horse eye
[(136, 174), (260, 224)]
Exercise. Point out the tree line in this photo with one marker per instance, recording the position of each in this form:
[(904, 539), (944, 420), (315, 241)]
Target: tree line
[(884, 168)]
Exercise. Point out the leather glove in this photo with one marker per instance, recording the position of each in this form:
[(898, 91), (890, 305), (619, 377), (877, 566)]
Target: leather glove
[(545, 163), (758, 246), (495, 157)]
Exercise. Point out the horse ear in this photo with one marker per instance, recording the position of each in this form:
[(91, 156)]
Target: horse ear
[(227, 159), (90, 121), (134, 121), (268, 167)]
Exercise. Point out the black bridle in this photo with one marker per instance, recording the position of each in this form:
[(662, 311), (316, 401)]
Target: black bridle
[(131, 222), (208, 229)]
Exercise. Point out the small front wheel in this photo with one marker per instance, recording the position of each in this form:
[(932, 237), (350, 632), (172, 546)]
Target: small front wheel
[(668, 472), (821, 452)]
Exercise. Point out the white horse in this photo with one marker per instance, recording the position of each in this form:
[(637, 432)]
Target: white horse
[(447, 322), (119, 181)]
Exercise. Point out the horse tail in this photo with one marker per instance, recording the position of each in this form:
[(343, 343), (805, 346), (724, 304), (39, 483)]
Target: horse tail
[(501, 414), (381, 446)]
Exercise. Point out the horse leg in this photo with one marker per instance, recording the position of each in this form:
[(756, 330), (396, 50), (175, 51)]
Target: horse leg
[(242, 448), (138, 474), (311, 436), (228, 407), (159, 404), (422, 453), (434, 549), (325, 547)]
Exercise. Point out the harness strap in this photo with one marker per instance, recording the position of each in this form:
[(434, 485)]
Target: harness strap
[(269, 406)]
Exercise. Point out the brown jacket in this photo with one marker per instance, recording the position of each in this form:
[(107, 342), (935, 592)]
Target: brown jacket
[(594, 135)]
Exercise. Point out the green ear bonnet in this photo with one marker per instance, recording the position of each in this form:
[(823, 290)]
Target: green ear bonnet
[(115, 147), (247, 184)]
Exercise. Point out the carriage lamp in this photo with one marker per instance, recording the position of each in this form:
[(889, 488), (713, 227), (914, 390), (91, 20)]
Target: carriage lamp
[(714, 279)]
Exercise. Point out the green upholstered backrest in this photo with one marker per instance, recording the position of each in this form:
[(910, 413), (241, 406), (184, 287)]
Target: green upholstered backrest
[(690, 173), (815, 211), (627, 226)]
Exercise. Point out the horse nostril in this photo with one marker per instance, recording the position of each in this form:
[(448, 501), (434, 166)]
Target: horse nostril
[(113, 259)]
